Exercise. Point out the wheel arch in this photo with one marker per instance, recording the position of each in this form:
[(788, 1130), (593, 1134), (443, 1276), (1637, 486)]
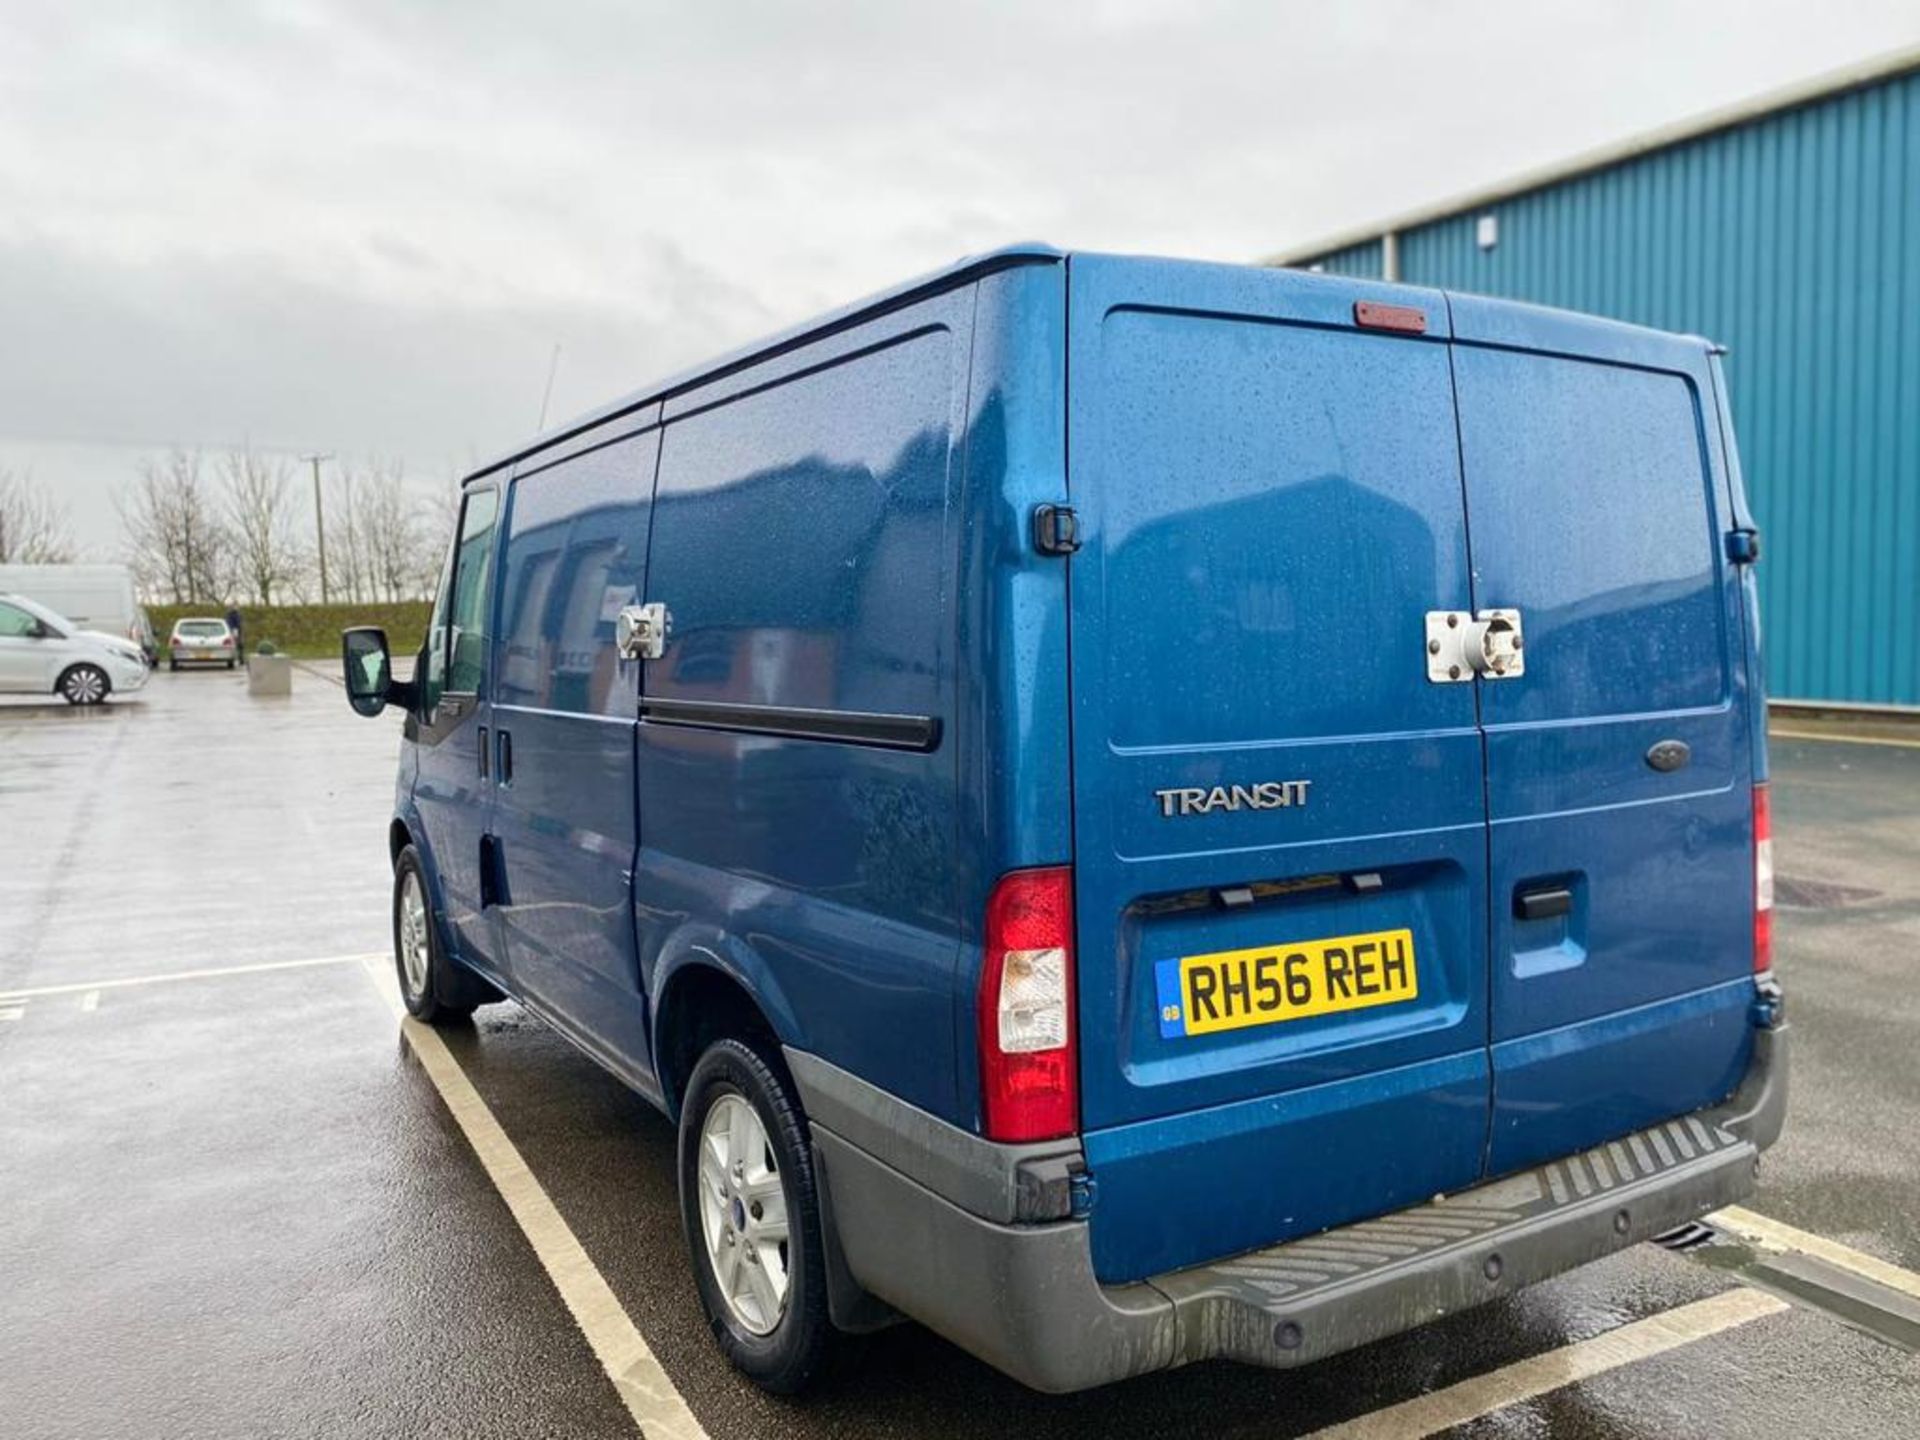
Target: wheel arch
[(403, 830), (707, 993)]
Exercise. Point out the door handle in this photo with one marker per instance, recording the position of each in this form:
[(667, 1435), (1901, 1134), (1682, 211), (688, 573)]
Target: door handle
[(1543, 902), (503, 767), (483, 752)]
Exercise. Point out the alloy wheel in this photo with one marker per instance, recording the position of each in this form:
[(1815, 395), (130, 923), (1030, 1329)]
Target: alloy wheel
[(414, 952), (84, 685), (743, 1214)]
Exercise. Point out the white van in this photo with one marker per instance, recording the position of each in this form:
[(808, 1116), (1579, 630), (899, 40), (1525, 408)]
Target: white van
[(93, 597)]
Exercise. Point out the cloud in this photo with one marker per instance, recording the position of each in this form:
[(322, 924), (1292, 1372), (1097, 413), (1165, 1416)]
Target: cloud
[(360, 225)]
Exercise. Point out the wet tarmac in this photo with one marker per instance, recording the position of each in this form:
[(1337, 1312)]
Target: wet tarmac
[(236, 1205)]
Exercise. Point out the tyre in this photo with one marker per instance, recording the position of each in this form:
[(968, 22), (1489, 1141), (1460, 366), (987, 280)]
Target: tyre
[(230, 664), (752, 1219), (173, 664), (435, 989), (84, 685)]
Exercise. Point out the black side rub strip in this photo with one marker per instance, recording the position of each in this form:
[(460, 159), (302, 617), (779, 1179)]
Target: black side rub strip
[(839, 727)]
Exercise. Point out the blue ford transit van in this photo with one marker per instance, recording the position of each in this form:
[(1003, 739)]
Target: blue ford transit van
[(1130, 810)]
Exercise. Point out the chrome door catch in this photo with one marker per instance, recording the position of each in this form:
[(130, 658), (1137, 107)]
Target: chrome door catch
[(641, 631), (1461, 645)]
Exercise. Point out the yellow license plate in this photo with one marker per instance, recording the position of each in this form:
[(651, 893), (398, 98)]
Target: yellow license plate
[(1264, 985)]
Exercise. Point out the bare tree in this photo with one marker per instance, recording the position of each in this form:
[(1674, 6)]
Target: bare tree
[(383, 541), (346, 544), (259, 522), (33, 530), (174, 530)]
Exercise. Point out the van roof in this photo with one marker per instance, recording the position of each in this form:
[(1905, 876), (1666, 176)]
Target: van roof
[(1622, 335), (959, 273)]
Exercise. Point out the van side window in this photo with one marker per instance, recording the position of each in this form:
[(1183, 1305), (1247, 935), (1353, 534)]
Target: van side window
[(436, 677), (467, 610), (575, 554)]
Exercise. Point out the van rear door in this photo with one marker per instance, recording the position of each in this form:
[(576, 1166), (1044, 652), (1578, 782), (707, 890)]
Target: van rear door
[(1280, 826), (1618, 770)]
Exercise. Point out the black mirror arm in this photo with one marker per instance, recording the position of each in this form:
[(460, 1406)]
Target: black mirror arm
[(404, 695)]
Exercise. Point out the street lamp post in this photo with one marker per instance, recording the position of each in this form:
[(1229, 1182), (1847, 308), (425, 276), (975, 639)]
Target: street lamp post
[(319, 522)]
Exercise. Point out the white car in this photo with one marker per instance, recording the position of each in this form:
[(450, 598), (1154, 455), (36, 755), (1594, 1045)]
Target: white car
[(42, 653), (201, 641)]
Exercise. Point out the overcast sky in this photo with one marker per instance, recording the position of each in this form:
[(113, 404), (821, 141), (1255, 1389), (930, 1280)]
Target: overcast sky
[(363, 226)]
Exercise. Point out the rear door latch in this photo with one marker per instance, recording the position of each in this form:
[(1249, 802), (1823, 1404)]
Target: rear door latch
[(1056, 529), (641, 631), (1461, 645)]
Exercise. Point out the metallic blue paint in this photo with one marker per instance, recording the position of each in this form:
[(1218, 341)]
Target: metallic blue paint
[(1269, 498), (810, 562), (1594, 507), (564, 821), (1607, 1076), (1287, 1164), (452, 802)]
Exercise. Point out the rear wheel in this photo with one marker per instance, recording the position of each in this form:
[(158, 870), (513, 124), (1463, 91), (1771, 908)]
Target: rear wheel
[(84, 685), (434, 989), (752, 1218)]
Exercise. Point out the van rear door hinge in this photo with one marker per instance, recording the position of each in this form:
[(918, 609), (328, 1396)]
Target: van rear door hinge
[(1743, 546), (1081, 1192), (1056, 529)]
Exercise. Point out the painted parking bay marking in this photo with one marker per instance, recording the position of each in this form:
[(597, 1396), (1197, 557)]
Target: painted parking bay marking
[(215, 972), (1511, 1384), (643, 1386), (1770, 1234)]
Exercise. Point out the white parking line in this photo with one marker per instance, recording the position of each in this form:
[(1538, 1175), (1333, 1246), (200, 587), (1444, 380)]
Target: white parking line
[(12, 1012), (643, 1386), (213, 973), (1511, 1384), (1771, 1234)]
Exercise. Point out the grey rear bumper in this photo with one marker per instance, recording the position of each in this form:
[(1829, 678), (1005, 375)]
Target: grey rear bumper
[(1023, 1297)]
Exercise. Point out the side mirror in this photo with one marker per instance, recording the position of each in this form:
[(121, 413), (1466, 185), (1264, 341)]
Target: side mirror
[(369, 668)]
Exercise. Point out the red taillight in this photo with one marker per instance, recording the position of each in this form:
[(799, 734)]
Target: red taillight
[(226, 642), (1028, 1064), (1762, 880)]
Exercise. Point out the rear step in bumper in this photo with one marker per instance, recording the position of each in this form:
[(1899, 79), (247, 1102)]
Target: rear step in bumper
[(1024, 1297)]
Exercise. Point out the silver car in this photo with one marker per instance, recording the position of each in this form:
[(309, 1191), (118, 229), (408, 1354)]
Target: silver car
[(201, 642)]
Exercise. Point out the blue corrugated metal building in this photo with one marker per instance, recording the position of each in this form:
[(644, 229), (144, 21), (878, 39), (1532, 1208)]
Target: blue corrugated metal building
[(1789, 230)]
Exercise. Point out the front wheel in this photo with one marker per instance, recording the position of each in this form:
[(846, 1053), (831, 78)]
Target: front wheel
[(84, 685), (433, 990), (752, 1219)]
